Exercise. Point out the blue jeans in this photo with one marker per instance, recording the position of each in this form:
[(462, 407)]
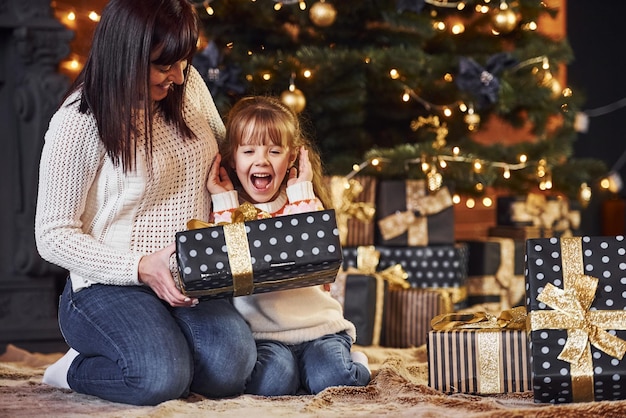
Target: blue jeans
[(311, 366), (136, 349)]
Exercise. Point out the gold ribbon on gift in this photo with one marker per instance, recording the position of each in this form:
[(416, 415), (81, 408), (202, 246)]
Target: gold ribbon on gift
[(514, 318), (547, 213), (367, 263), (343, 192), (245, 212), (450, 296), (488, 340), (236, 239), (571, 311), (504, 283), (417, 201)]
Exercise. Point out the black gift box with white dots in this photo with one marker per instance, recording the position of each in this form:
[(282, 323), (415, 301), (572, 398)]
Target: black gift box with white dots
[(576, 303), (427, 267), (279, 253)]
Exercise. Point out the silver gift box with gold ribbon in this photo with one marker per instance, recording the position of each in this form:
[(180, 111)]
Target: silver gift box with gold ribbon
[(261, 255)]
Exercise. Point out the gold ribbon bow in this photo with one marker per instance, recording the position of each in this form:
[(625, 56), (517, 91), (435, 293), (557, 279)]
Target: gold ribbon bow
[(417, 200), (367, 263), (236, 238), (245, 212), (571, 311), (504, 283), (545, 213), (488, 340), (508, 319), (367, 260), (343, 192)]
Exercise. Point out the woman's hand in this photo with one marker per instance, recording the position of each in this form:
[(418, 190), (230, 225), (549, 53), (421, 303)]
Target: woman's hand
[(304, 172), (218, 181), (154, 271)]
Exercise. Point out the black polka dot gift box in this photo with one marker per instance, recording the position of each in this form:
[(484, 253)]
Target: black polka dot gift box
[(435, 267), (576, 303), (259, 256)]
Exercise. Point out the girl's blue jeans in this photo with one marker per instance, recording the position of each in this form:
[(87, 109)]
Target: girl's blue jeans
[(136, 349), (311, 366)]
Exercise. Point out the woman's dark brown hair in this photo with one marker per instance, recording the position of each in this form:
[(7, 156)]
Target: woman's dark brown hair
[(115, 79)]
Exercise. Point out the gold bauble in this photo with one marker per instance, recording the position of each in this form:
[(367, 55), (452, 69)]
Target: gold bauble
[(294, 98), (472, 120), (504, 21), (323, 14), (553, 84)]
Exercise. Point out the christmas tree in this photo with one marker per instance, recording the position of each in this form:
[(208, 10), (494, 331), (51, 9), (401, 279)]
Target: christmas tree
[(409, 88)]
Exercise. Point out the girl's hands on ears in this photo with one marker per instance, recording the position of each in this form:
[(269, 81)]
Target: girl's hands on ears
[(304, 172), (218, 180)]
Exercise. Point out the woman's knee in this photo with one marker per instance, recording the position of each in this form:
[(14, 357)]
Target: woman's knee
[(160, 380)]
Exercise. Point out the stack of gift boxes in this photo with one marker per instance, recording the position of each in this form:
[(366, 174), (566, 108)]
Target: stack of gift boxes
[(496, 263), (410, 235), (563, 337), (544, 313), (533, 307), (566, 343)]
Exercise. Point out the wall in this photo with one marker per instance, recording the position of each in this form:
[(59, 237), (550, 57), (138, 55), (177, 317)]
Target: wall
[(32, 43), (595, 31)]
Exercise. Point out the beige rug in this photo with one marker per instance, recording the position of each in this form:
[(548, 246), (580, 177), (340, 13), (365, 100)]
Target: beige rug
[(399, 389)]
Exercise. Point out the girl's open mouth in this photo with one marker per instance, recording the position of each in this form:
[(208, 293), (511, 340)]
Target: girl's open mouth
[(261, 181)]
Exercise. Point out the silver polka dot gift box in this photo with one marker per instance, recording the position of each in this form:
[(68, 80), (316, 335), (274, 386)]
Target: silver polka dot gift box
[(576, 301), (259, 256)]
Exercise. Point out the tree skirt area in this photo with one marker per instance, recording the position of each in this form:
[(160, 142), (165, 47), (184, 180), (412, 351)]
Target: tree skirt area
[(399, 388)]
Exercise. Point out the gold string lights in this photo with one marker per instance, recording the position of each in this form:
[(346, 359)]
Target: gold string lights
[(82, 20)]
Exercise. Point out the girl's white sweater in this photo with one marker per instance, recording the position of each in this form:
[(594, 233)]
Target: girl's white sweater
[(289, 316)]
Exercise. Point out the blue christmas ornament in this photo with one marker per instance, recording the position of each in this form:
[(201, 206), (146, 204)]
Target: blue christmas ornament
[(220, 78), (482, 82), (410, 5)]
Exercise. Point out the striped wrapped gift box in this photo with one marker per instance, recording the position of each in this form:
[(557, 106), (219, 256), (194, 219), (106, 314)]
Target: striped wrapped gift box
[(407, 316), (354, 201), (479, 361)]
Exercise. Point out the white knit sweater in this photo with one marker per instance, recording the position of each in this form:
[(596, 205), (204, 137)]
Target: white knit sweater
[(97, 222)]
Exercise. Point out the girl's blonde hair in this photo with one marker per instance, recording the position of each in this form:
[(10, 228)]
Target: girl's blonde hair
[(260, 120)]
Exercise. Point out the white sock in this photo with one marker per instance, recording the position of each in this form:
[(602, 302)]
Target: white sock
[(56, 373), (360, 357)]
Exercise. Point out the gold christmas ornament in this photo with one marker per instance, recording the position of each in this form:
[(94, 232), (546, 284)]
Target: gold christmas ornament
[(294, 98), (550, 81), (504, 20), (323, 14), (472, 119), (584, 195)]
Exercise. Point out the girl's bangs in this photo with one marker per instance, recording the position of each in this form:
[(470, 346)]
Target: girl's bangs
[(262, 134)]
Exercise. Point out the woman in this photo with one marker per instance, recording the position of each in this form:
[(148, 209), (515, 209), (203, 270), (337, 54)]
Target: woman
[(123, 168)]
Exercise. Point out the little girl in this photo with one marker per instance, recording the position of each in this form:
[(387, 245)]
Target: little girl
[(302, 338)]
